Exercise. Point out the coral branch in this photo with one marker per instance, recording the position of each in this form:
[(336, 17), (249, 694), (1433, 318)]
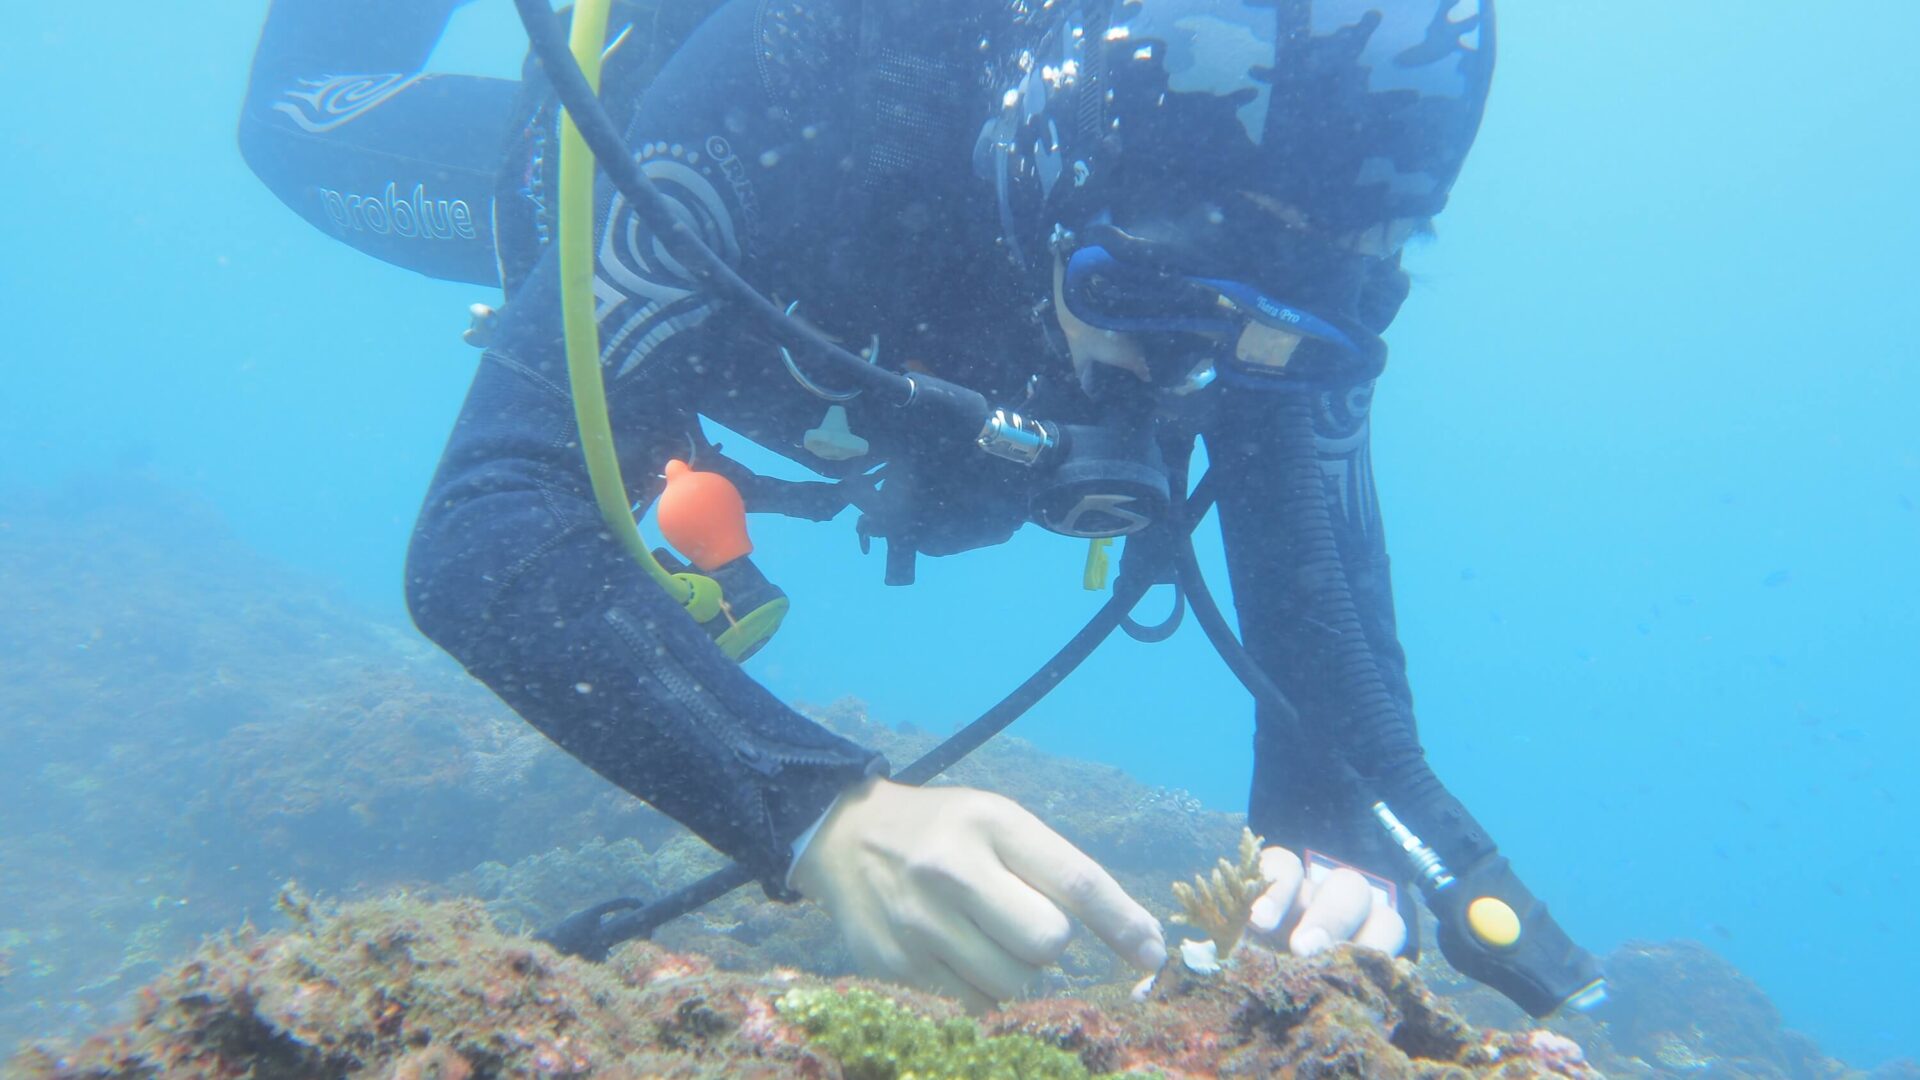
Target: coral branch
[(1220, 905)]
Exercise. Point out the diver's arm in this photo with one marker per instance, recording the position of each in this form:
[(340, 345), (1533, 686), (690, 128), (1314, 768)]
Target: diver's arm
[(1300, 798), (1309, 569), (512, 569), (513, 572), (341, 124)]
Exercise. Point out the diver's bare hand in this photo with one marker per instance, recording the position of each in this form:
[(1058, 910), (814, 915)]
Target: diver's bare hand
[(1311, 917), (962, 891)]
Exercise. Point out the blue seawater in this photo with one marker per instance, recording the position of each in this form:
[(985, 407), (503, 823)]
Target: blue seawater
[(1647, 450)]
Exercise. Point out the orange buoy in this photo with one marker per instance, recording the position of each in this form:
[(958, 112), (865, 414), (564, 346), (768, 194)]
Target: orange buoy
[(702, 515)]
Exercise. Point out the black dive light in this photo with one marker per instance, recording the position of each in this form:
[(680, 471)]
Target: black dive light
[(1493, 929)]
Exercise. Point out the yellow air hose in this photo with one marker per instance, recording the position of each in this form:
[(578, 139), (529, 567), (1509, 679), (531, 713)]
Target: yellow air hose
[(587, 38)]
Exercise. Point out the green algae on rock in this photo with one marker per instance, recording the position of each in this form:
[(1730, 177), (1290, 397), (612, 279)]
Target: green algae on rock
[(877, 1038)]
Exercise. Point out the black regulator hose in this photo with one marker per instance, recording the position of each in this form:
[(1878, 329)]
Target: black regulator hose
[(1490, 926)]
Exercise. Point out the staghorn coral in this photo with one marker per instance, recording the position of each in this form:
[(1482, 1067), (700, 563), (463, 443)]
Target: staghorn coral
[(1220, 905), (876, 1038)]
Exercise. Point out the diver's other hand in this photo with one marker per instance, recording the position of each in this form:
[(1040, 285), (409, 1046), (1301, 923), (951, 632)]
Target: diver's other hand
[(962, 891), (1340, 907)]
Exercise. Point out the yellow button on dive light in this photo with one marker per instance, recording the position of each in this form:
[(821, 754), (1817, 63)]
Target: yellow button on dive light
[(1493, 922)]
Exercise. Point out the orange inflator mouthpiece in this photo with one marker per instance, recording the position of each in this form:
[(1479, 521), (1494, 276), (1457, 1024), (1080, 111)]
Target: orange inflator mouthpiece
[(702, 515)]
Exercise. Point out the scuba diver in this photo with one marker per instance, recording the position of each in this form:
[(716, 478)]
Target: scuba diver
[(1150, 222)]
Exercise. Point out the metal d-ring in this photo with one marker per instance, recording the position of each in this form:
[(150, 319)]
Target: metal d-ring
[(811, 387)]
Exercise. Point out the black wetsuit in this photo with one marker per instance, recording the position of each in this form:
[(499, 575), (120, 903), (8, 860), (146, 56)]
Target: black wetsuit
[(755, 127)]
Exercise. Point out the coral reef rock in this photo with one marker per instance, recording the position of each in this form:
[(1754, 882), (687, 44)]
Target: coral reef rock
[(188, 723), (1675, 1009), (1678, 1008), (404, 988)]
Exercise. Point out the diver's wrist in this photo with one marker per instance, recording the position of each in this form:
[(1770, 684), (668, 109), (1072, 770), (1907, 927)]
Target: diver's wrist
[(801, 843), (805, 838)]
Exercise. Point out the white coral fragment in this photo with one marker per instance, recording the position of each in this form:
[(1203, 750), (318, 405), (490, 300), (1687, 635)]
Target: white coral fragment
[(1201, 957)]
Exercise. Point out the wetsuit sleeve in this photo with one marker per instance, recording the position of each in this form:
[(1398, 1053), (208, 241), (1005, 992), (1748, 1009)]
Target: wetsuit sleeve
[(511, 569), (1299, 800), (1304, 581), (342, 125)]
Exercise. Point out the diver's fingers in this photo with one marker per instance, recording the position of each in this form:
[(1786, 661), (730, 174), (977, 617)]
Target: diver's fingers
[(1384, 929), (932, 973), (1339, 905), (1014, 915), (1282, 871), (880, 956), (977, 958), (1064, 874)]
